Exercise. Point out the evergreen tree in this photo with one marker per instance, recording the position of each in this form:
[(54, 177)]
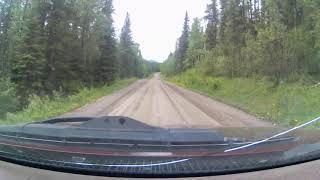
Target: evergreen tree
[(64, 68), (64, 45), (126, 53), (15, 32), (223, 19), (107, 64), (234, 34), (28, 69), (91, 34), (5, 19), (183, 45), (290, 13), (137, 61), (212, 25)]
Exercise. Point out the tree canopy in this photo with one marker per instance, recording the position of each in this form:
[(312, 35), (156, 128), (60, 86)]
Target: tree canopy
[(65, 45), (272, 39)]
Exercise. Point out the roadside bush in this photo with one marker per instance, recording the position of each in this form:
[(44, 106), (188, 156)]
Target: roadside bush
[(288, 104), (45, 107), (8, 101), (213, 83)]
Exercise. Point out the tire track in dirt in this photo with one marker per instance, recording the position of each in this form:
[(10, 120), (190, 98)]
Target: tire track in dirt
[(163, 104)]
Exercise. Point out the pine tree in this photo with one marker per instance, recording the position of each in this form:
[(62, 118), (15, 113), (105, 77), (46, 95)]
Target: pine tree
[(63, 53), (212, 25), (290, 12), (55, 51), (28, 69), (91, 35), (137, 60), (183, 45), (126, 54), (234, 33), (223, 19), (5, 19), (107, 64)]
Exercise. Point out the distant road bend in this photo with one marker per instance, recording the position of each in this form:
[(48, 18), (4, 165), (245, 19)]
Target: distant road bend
[(163, 104)]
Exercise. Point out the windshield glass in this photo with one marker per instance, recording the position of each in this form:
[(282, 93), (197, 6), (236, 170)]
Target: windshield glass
[(163, 87)]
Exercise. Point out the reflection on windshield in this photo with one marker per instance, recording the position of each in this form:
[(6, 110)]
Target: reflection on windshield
[(119, 146), (274, 136)]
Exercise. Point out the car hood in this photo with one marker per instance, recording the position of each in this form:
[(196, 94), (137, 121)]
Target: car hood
[(117, 146)]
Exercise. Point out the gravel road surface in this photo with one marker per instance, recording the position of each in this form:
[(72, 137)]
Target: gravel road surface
[(163, 104)]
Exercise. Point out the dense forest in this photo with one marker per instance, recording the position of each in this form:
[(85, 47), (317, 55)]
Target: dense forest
[(62, 45), (274, 39), (262, 56)]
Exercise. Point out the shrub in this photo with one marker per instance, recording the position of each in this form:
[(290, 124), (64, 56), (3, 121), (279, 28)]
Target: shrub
[(213, 83), (8, 101), (288, 104), (45, 107)]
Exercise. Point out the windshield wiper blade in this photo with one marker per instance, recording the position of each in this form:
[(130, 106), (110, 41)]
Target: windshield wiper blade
[(274, 136)]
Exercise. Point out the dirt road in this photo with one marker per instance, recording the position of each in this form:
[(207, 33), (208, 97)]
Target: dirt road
[(159, 103)]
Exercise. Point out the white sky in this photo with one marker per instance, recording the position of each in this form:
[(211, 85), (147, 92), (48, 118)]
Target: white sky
[(156, 24)]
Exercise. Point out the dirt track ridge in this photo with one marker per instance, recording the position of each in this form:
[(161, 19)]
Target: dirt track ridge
[(163, 104)]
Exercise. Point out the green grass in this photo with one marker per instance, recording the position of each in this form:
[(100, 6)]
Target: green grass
[(286, 104), (41, 108)]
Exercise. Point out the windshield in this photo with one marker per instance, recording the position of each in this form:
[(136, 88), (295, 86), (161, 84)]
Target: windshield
[(162, 87)]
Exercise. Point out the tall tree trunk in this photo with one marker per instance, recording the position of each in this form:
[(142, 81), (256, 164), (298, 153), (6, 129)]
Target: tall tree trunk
[(4, 38)]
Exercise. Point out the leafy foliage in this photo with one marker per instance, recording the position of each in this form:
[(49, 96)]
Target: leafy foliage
[(29, 65), (288, 104), (64, 46), (260, 55), (8, 102), (45, 107), (274, 39)]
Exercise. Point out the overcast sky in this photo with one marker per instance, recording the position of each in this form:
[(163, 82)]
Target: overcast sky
[(156, 24)]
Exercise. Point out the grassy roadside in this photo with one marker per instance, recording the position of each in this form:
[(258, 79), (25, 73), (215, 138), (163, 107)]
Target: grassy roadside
[(44, 108), (286, 104)]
